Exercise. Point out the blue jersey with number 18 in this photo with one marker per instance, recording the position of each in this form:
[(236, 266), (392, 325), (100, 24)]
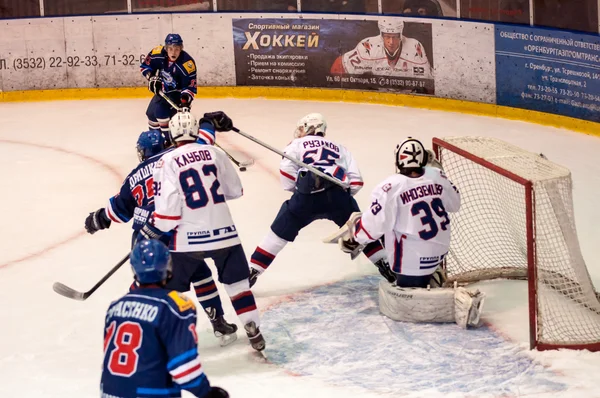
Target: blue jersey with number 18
[(150, 347)]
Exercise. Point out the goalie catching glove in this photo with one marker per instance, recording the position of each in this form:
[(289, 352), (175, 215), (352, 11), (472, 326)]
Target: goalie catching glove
[(96, 221)]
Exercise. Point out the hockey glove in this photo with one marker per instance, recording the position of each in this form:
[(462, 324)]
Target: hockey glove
[(219, 119), (149, 231), (155, 84), (96, 221), (186, 100)]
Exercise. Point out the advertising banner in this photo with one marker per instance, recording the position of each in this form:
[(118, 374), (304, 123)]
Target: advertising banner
[(386, 55), (548, 71)]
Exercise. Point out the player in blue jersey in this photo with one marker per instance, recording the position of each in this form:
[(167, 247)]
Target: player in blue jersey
[(150, 340), (135, 200), (172, 70)]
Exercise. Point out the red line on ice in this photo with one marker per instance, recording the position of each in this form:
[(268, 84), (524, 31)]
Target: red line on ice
[(79, 234)]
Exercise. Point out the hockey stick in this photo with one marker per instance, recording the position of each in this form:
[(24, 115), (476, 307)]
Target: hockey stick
[(66, 291), (241, 165), (298, 162)]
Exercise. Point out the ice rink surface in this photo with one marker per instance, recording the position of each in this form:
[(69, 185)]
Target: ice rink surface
[(325, 336)]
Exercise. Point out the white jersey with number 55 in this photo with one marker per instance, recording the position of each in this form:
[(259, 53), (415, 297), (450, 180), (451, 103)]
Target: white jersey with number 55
[(321, 153), (412, 214), (192, 184)]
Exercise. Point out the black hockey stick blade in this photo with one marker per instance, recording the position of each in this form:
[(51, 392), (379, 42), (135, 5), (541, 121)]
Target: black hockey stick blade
[(68, 292)]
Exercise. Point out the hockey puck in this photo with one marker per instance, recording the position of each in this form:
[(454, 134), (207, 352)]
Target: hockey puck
[(242, 168)]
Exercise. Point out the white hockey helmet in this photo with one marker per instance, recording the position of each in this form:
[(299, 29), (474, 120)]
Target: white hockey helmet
[(392, 26), (410, 155), (311, 124), (183, 127)]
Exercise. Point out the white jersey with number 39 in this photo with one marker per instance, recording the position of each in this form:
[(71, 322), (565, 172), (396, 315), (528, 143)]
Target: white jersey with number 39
[(412, 215), (193, 183)]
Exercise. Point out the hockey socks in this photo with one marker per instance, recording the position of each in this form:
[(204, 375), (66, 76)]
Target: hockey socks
[(208, 297), (243, 302), (265, 253)]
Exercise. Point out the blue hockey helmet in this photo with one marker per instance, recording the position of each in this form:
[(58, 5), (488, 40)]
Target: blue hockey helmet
[(149, 144), (151, 261), (173, 39)]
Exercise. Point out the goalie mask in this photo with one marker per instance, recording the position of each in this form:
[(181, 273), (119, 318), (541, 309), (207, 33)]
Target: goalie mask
[(183, 127), (311, 124), (410, 156)]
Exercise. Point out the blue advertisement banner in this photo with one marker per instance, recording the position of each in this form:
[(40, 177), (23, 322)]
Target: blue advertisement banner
[(549, 71), (394, 56)]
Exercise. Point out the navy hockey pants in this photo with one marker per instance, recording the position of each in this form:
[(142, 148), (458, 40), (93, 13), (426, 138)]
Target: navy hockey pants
[(189, 267), (160, 109), (412, 281)]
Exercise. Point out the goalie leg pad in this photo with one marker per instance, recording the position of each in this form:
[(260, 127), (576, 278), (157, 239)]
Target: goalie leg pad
[(416, 304), (468, 307)]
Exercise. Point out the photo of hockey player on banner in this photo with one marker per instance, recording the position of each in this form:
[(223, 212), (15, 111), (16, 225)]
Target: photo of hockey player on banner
[(393, 54)]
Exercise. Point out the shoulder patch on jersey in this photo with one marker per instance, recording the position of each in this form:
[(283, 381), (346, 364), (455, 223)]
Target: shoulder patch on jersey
[(183, 302), (419, 50), (386, 187), (156, 50), (367, 46), (190, 66), (159, 164)]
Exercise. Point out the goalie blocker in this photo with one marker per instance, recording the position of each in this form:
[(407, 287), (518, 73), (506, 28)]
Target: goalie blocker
[(441, 305)]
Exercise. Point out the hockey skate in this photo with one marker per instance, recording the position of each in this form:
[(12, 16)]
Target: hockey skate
[(226, 332), (253, 276), (257, 341)]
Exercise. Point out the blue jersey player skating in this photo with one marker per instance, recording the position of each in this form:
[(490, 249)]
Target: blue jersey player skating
[(172, 70), (150, 340), (135, 201)]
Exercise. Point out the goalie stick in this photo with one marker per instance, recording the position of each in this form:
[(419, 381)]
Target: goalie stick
[(68, 292), (241, 165)]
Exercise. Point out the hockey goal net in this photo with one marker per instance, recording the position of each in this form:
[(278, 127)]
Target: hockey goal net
[(516, 221)]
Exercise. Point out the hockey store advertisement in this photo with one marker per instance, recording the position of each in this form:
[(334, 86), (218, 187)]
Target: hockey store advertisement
[(386, 55), (549, 71)]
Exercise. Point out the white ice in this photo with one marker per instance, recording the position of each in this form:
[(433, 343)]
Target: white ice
[(62, 160)]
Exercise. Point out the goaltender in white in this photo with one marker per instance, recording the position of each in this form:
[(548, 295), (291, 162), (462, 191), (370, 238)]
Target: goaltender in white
[(410, 209)]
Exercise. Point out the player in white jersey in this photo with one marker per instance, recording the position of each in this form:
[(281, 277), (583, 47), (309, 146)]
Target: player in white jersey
[(314, 197), (410, 209), (192, 186), (388, 54)]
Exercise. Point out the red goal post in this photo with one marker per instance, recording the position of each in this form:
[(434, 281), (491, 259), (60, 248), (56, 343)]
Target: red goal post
[(516, 221)]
